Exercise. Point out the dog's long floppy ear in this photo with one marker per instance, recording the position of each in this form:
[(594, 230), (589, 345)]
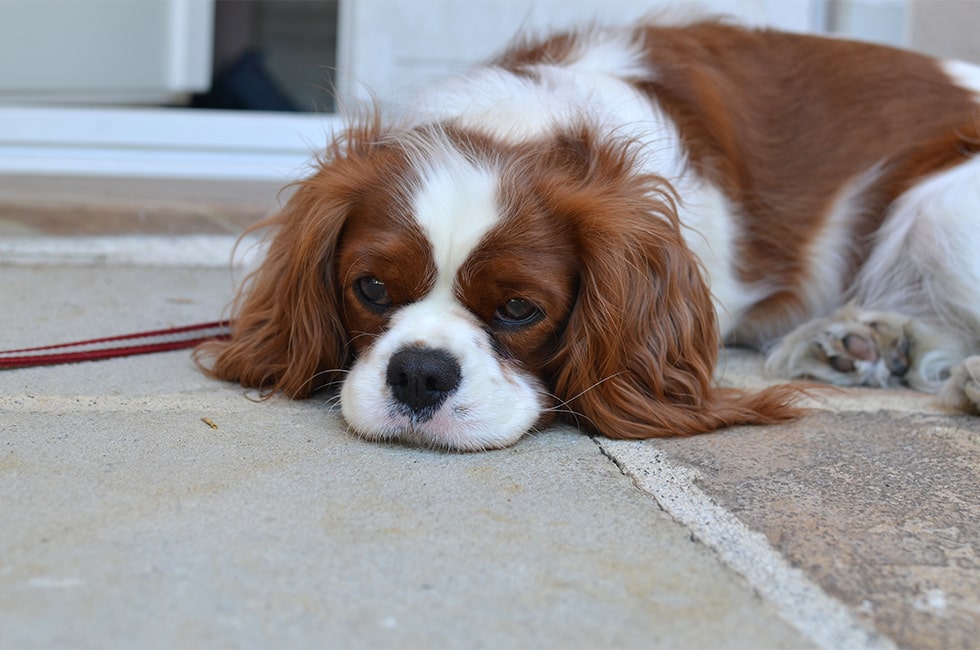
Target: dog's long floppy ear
[(637, 356), (287, 334)]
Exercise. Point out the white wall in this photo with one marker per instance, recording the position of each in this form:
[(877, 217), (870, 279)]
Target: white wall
[(945, 28), (878, 21), (104, 51)]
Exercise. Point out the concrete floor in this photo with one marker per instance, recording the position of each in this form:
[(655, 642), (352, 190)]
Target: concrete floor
[(129, 522)]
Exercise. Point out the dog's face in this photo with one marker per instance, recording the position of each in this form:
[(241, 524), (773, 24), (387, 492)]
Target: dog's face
[(454, 298), (461, 291)]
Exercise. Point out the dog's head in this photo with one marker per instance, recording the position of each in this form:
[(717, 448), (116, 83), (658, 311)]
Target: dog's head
[(462, 291)]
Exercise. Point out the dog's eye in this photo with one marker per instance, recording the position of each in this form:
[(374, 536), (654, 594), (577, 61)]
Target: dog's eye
[(373, 291), (518, 312)]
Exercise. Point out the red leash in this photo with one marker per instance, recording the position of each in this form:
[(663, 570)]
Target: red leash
[(175, 338)]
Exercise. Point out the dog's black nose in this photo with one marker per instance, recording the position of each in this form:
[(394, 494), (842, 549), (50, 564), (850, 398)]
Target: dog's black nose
[(422, 378)]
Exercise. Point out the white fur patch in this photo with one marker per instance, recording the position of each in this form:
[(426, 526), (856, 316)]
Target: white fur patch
[(925, 260), (590, 86), (710, 232), (965, 75), (831, 249), (614, 52)]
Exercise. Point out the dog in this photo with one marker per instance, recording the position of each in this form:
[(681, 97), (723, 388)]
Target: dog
[(571, 230)]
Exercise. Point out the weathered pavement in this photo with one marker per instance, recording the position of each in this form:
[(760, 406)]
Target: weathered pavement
[(128, 521)]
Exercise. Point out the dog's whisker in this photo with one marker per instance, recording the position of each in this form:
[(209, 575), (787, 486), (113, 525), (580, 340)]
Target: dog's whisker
[(321, 373), (333, 401), (562, 403)]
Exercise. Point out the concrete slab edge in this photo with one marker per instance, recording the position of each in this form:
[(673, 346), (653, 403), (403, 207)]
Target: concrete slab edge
[(824, 620), (186, 251), (167, 403)]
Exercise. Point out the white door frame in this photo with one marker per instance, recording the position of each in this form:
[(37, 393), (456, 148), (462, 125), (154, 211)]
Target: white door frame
[(158, 142)]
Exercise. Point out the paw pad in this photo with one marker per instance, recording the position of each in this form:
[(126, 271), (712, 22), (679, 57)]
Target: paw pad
[(848, 348)]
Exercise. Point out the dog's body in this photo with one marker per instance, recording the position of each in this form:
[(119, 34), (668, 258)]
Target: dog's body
[(575, 227)]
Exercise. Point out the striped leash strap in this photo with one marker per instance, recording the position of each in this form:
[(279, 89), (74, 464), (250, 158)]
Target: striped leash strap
[(174, 338)]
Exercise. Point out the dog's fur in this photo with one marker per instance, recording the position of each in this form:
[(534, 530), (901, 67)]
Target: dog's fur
[(572, 229)]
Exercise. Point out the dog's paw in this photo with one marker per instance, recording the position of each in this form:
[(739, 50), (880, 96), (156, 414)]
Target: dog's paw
[(962, 390), (851, 347)]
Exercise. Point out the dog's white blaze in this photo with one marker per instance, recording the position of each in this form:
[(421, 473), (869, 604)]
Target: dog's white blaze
[(456, 206)]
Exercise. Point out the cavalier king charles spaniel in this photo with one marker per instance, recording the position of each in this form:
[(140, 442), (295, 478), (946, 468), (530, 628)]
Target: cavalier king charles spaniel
[(572, 229)]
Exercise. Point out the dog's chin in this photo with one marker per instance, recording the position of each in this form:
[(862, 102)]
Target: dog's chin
[(437, 433), (426, 438)]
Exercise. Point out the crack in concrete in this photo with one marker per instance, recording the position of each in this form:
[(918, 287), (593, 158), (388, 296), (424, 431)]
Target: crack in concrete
[(824, 620)]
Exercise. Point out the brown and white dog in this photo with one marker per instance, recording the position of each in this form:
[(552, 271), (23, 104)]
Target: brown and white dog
[(572, 229)]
